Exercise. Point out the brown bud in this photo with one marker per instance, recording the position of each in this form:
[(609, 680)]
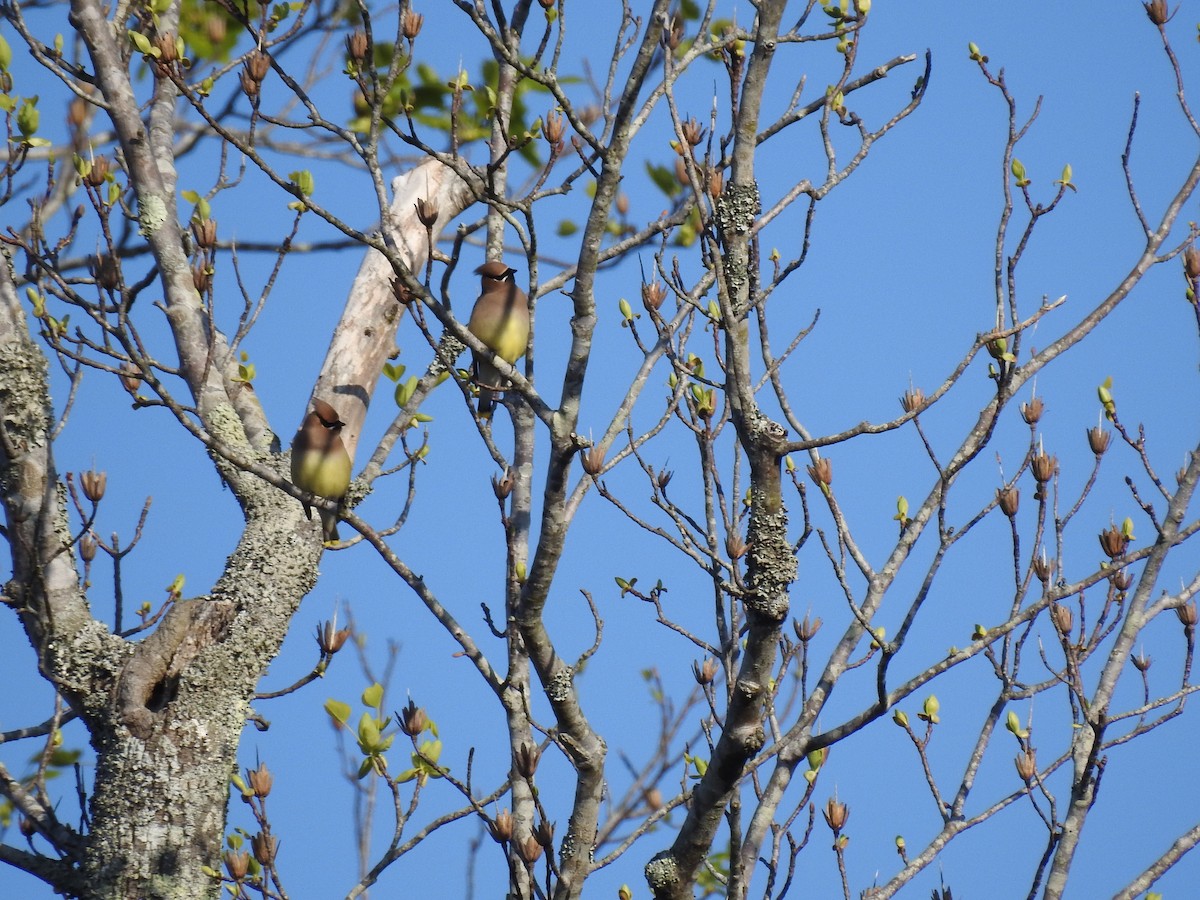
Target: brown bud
[(1141, 661), (807, 629), (553, 129), (1191, 263), (93, 483), (822, 471), (258, 64), (1113, 542), (836, 814), (547, 4), (77, 111), (529, 850), (249, 86), (402, 293), (593, 460), (260, 780), (913, 400), (205, 233), (168, 50), (501, 827), (1062, 618), (411, 25), (716, 183), (1187, 614), (1098, 440), (526, 759), (427, 212), (356, 45), (1156, 11), (265, 847), (674, 32), (544, 833), (87, 547), (1009, 499), (681, 172), (216, 28), (237, 864), (131, 378), (589, 114), (735, 546), (1026, 763), (202, 274), (330, 638), (692, 132), (653, 295), (105, 270), (653, 798), (413, 719), (1121, 581), (622, 204), (706, 672), (26, 827), (99, 172), (1044, 466), (662, 478), (1043, 568), (1032, 411), (503, 487)]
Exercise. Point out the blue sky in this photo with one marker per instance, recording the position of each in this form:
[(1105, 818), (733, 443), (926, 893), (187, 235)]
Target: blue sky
[(901, 272)]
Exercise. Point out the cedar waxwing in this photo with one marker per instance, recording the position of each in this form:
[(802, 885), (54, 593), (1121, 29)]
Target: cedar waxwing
[(501, 320), (320, 463)]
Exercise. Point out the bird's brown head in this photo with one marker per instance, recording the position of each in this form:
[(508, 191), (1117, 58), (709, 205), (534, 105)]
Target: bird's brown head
[(327, 414), (495, 273)]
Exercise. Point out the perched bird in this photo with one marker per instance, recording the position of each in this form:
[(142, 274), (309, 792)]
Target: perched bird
[(320, 463), (501, 320)]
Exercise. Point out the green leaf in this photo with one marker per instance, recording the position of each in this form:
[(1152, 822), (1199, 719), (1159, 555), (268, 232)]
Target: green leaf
[(373, 695), (404, 391), (368, 733), (5, 54), (338, 711), (62, 758), (566, 228), (664, 179), (393, 372), (143, 44), (303, 180)]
